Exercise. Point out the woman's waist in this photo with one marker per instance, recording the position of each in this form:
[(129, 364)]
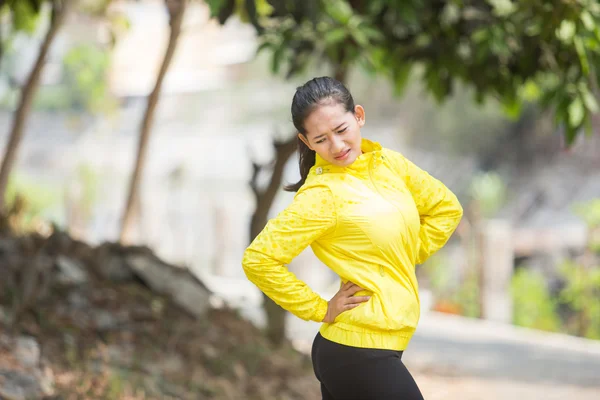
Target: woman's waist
[(349, 334)]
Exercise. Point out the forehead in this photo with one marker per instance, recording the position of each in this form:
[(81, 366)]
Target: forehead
[(324, 118)]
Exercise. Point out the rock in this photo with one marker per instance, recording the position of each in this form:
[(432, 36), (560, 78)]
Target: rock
[(105, 320), (111, 265), (4, 317), (71, 272), (179, 284), (169, 364), (21, 377), (16, 385), (27, 352), (7, 246), (77, 300)]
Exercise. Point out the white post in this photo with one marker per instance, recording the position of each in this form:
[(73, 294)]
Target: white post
[(498, 260)]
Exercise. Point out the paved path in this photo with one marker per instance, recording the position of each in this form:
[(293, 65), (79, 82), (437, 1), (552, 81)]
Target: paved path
[(451, 346), (459, 358), (461, 346)]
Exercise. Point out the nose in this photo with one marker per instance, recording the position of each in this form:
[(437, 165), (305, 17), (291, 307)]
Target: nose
[(337, 145)]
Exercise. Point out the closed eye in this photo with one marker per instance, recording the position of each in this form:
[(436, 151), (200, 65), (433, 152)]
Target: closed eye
[(342, 130)]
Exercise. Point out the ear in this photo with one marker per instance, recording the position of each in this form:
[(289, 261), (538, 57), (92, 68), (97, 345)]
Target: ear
[(359, 113), (305, 141)]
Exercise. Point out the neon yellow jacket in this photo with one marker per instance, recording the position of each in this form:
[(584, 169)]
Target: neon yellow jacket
[(370, 222)]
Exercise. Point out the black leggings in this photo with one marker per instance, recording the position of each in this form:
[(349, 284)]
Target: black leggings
[(353, 373)]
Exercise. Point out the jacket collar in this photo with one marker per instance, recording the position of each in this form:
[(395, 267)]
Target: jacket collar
[(361, 164)]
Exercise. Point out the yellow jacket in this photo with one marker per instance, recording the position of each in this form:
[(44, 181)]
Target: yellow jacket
[(370, 222)]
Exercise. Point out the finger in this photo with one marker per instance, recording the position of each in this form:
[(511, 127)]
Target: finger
[(358, 299), (347, 285), (354, 289), (350, 306)]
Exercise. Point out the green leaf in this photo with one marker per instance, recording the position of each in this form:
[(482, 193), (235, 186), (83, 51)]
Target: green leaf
[(378, 57), (360, 37), (566, 31), (25, 18), (503, 8), (401, 75), (480, 35), (513, 109), (372, 33), (450, 14), (277, 58), (215, 6), (588, 126), (583, 59), (335, 36), (576, 112), (570, 134), (263, 8), (589, 100), (531, 91), (588, 20), (339, 10), (263, 46)]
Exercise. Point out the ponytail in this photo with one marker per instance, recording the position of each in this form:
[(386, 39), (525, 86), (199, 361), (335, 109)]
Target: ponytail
[(306, 162)]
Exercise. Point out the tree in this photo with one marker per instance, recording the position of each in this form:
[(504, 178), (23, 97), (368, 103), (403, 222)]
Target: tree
[(261, 14), (58, 13), (536, 50), (26, 16), (176, 10), (512, 51)]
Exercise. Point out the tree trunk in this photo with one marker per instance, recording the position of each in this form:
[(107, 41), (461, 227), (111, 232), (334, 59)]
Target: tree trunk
[(176, 12), (340, 74), (27, 95), (264, 200)]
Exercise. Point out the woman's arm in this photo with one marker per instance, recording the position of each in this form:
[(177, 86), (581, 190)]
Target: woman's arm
[(310, 217), (439, 209)]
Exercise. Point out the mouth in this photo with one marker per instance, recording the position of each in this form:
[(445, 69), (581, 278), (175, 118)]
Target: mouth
[(343, 155)]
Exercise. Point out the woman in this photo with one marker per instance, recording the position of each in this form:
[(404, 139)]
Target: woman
[(370, 215)]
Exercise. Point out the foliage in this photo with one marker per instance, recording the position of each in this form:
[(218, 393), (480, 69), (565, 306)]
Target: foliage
[(22, 14), (489, 191), (581, 294), (84, 66), (33, 199), (533, 304), (85, 70), (452, 294), (577, 299), (590, 213), (83, 86), (533, 50)]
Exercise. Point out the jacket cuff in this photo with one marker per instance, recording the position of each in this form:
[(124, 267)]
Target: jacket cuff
[(321, 311)]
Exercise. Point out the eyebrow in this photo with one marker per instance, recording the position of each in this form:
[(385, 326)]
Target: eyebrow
[(335, 129)]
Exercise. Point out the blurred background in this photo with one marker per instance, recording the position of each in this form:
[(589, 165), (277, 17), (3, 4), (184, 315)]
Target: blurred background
[(145, 143)]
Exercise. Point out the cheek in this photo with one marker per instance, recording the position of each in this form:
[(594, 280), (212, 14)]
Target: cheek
[(356, 136)]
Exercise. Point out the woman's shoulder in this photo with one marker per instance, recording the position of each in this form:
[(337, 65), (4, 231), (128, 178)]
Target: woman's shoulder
[(315, 185), (393, 154)]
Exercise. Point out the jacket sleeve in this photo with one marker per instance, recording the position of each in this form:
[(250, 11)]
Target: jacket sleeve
[(439, 209), (309, 217)]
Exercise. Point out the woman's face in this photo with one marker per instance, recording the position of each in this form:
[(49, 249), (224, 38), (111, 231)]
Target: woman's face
[(334, 133)]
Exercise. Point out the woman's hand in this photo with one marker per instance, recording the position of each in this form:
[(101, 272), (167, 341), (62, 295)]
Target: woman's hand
[(344, 300)]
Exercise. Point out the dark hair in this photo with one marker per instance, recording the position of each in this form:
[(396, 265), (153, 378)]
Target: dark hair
[(314, 93)]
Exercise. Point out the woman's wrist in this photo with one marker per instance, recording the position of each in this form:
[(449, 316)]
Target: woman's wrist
[(321, 311)]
